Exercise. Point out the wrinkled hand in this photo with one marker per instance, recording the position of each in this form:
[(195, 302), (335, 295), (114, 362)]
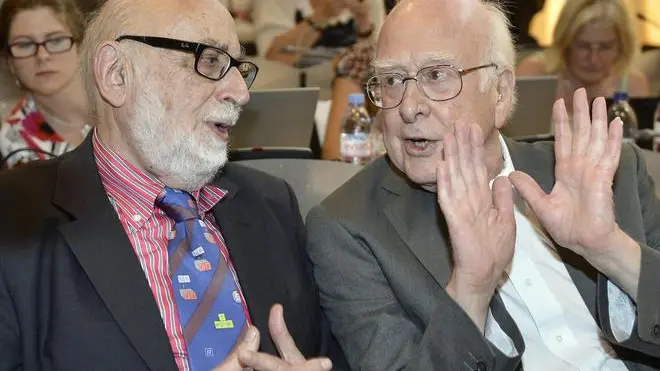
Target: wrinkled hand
[(248, 357), (579, 212), (481, 223)]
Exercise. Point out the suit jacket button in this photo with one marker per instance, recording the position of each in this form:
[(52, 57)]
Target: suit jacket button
[(480, 366), (656, 331)]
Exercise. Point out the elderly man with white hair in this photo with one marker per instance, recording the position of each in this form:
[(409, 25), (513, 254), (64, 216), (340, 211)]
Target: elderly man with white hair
[(464, 250), (144, 249)]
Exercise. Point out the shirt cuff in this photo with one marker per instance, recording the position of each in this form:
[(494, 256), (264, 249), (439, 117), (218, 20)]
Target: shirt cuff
[(498, 337), (622, 312)]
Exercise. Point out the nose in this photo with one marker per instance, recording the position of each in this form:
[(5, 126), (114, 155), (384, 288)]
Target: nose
[(414, 102), (42, 53), (594, 55), (233, 87)]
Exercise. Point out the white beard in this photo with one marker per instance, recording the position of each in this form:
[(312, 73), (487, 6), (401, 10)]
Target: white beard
[(188, 159)]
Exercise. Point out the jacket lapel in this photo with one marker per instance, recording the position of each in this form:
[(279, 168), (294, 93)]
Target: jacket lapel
[(251, 256), (103, 250), (409, 211), (539, 164)]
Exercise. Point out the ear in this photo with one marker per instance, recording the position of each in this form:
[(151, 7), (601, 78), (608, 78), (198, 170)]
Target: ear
[(506, 97), (109, 67)]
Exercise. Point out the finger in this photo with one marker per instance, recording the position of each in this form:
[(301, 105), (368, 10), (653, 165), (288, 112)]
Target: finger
[(451, 158), (285, 344), (443, 184), (250, 342), (612, 154), (598, 136), (267, 362), (530, 191), (503, 196), (563, 134), (261, 361), (581, 122), (466, 166), (478, 157)]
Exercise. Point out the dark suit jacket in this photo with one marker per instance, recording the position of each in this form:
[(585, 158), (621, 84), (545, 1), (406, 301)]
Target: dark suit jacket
[(74, 297), (381, 254)]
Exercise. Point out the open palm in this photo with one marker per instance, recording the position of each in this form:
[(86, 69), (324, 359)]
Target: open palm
[(579, 213)]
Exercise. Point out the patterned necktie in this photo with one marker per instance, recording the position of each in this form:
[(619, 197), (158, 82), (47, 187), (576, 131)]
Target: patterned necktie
[(208, 301)]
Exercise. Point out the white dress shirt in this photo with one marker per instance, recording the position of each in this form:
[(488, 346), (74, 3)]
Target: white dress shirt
[(559, 332)]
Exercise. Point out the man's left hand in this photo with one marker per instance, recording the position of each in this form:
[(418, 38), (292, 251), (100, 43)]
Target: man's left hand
[(579, 212)]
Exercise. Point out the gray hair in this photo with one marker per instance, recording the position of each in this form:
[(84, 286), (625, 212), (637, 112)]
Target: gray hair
[(499, 48), (102, 25)]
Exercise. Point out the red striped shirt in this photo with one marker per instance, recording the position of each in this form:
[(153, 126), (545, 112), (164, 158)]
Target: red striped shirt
[(133, 194)]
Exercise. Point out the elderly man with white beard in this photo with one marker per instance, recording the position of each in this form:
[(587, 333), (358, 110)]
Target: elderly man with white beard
[(143, 249)]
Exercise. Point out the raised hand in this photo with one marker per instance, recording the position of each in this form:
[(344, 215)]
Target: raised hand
[(579, 212), (481, 223)]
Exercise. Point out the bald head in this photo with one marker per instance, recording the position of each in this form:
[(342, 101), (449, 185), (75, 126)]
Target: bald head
[(429, 20)]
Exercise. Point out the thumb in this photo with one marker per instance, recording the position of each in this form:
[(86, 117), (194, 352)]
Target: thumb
[(250, 342), (503, 195), (529, 190)]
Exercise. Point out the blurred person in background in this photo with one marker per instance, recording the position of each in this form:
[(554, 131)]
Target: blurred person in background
[(309, 24), (351, 74), (594, 46), (39, 45), (241, 11)]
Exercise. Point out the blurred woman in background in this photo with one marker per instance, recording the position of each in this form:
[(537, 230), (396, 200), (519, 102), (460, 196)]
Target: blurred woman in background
[(594, 46), (285, 29), (39, 45)]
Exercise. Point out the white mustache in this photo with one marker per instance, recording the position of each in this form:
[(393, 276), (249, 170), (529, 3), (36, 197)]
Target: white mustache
[(228, 113)]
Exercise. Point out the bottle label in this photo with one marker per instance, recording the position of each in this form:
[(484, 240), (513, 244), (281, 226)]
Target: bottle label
[(355, 145)]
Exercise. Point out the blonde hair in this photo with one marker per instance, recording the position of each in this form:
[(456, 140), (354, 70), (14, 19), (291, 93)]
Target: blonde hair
[(576, 14)]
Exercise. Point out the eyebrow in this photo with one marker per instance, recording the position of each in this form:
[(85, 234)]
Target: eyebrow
[(52, 33), (420, 59), (223, 46)]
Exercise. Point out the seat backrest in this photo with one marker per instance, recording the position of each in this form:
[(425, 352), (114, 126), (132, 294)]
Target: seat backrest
[(311, 180), (653, 167)]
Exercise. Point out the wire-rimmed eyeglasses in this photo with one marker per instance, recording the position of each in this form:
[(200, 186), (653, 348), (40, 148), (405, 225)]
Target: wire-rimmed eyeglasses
[(438, 83)]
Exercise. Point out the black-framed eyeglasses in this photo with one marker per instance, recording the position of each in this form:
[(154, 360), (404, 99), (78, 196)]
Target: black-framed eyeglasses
[(438, 83), (28, 48), (210, 62)]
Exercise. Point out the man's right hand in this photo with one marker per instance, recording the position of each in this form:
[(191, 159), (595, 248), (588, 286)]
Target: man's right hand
[(246, 355), (481, 222)]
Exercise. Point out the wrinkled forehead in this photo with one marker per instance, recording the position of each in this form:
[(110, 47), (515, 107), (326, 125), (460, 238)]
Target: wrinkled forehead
[(430, 47)]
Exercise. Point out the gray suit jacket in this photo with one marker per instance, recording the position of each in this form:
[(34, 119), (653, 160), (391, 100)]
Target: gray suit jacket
[(382, 258)]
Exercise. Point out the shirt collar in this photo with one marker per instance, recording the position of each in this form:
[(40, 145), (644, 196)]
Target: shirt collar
[(507, 163), (134, 192)]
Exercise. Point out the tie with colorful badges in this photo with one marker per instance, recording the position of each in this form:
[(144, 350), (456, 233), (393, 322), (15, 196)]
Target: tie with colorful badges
[(208, 301)]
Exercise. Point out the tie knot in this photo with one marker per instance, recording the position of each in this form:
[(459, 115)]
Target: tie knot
[(178, 205)]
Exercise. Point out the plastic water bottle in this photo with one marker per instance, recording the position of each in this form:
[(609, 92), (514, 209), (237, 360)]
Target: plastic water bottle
[(656, 129), (622, 109), (354, 140)]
